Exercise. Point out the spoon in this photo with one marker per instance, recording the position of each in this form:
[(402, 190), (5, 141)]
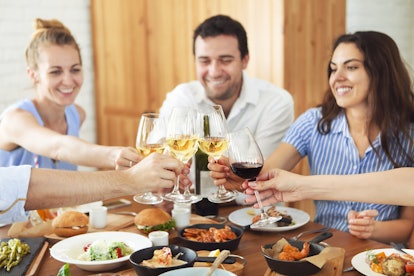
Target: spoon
[(220, 258), (265, 219)]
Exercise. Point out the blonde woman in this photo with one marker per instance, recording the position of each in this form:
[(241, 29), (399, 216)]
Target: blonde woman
[(43, 131)]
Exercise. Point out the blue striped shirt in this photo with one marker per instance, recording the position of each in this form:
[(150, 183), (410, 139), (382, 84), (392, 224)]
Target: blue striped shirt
[(336, 153)]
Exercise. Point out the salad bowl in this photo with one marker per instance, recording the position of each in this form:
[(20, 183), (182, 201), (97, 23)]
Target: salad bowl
[(71, 249)]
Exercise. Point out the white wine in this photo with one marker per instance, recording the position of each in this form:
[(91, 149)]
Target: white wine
[(214, 146), (183, 147), (150, 148)]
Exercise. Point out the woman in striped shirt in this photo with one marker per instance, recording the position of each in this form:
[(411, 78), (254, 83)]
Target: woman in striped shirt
[(364, 124)]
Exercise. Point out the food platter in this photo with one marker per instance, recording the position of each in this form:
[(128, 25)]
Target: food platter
[(68, 250), (360, 264), (243, 217)]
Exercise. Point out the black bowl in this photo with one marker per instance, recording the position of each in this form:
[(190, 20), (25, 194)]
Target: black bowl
[(137, 257), (294, 267), (229, 245)]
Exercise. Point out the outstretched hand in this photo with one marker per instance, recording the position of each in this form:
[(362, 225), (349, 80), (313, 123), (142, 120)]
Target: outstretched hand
[(274, 186)]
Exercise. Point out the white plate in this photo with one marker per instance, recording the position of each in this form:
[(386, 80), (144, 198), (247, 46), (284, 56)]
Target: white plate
[(68, 250), (243, 217), (360, 264)]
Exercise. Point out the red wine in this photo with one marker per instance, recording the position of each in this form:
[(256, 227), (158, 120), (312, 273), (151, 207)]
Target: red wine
[(246, 170)]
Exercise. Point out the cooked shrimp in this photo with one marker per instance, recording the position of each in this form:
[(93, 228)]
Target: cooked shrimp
[(292, 253)]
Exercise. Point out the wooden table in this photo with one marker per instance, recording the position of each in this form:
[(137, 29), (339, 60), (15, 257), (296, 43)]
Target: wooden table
[(249, 246)]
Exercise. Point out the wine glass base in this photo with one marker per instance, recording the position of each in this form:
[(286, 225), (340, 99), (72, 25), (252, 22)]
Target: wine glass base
[(171, 196), (148, 199), (222, 197), (188, 199)]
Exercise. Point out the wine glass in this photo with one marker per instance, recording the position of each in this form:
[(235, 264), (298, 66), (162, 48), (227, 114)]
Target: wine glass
[(150, 138), (182, 143), (246, 161), (214, 142)]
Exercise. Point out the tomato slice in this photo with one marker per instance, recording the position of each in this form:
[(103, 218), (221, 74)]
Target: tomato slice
[(409, 267), (119, 252)]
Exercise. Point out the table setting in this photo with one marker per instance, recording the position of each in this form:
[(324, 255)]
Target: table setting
[(243, 233)]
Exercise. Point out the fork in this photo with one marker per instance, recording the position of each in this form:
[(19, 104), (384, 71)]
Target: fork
[(295, 238)]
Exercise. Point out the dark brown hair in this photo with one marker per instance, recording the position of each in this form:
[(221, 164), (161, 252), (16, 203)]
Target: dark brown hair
[(391, 92)]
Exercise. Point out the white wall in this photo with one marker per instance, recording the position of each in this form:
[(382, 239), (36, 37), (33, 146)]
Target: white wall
[(395, 18), (16, 26)]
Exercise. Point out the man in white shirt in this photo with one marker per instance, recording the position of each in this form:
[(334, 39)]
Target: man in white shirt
[(221, 56), (24, 188)]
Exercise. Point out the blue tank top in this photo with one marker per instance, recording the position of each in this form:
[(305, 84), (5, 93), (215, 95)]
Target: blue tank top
[(21, 156)]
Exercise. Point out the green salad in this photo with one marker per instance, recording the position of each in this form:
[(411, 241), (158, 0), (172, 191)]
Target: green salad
[(102, 250)]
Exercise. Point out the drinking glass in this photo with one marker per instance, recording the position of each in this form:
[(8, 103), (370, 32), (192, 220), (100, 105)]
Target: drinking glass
[(182, 143), (246, 161), (214, 142), (150, 138)]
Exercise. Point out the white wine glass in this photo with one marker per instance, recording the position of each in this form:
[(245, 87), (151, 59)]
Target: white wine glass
[(150, 138), (246, 161), (182, 143), (214, 142)]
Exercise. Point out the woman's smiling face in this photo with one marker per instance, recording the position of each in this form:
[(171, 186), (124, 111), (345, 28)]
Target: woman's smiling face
[(59, 74), (349, 80)]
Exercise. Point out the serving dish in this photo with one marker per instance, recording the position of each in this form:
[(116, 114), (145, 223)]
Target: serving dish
[(300, 267), (68, 250), (196, 245), (243, 217), (136, 258), (360, 264)]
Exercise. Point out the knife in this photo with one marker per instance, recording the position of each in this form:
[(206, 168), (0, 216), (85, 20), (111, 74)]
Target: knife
[(401, 248)]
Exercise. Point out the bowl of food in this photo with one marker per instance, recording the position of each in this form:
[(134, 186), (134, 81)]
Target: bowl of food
[(211, 236), (288, 257), (191, 271), (155, 260), (98, 251)]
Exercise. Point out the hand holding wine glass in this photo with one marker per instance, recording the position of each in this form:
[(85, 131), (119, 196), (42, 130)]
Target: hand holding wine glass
[(214, 142), (246, 161), (182, 143), (150, 138)]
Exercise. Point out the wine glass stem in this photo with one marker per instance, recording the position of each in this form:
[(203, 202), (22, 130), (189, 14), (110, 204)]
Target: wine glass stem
[(221, 190), (176, 186)]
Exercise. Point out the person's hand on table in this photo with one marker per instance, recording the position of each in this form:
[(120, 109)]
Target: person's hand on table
[(222, 174), (126, 158), (362, 224)]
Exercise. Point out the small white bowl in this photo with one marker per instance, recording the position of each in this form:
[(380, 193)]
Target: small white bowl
[(191, 271), (68, 250)]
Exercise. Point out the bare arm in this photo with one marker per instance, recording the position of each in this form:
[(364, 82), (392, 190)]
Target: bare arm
[(387, 187), (44, 141), (56, 188)]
